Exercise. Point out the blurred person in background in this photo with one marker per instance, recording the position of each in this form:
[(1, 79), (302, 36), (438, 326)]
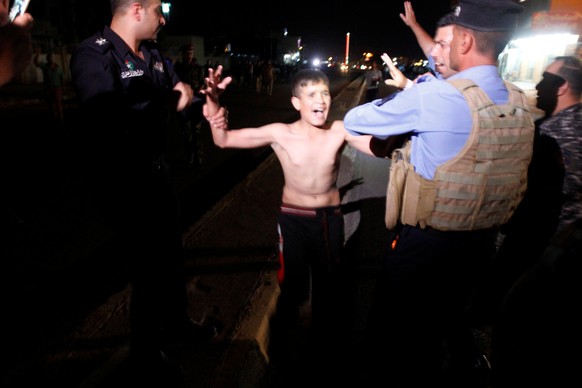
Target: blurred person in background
[(373, 77), (559, 95), (190, 72), (268, 77), (188, 68), (54, 83)]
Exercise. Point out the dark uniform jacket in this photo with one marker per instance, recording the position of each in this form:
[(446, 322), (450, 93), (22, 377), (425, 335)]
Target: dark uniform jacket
[(125, 100)]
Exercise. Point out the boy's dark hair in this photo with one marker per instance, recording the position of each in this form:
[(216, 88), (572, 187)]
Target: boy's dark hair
[(304, 76)]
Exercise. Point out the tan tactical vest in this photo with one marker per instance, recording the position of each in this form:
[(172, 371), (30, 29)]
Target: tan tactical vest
[(481, 186)]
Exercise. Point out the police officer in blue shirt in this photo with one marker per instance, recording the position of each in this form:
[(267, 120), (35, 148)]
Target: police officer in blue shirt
[(126, 91), (461, 176)]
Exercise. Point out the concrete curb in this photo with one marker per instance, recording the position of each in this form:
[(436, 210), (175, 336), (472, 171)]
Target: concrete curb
[(246, 361)]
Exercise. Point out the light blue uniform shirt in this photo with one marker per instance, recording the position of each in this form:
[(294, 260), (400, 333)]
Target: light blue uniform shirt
[(435, 112)]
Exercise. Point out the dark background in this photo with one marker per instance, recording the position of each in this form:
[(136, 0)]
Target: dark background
[(322, 26), (373, 27)]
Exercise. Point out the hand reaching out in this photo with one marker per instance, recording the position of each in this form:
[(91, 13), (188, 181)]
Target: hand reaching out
[(186, 94), (398, 80), (408, 17), (215, 86)]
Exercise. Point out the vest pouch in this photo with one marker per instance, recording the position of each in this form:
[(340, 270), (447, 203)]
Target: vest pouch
[(418, 199), (398, 171)]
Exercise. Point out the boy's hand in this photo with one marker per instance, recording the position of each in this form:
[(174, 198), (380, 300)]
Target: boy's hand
[(215, 86)]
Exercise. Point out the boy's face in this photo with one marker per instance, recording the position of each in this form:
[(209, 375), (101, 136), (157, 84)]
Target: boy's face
[(313, 102)]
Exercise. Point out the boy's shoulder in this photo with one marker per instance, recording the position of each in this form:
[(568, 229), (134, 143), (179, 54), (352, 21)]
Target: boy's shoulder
[(280, 126), (337, 125)]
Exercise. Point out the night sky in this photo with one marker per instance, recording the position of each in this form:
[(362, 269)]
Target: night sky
[(322, 25)]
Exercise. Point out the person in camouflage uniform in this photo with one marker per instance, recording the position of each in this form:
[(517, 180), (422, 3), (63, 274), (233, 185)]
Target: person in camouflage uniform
[(527, 234), (559, 95)]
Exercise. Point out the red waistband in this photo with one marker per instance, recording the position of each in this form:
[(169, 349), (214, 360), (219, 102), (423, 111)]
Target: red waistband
[(308, 211)]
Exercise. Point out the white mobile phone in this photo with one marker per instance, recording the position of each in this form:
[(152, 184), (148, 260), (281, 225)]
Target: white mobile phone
[(18, 8)]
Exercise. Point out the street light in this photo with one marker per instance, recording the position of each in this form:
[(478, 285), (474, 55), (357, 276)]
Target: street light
[(166, 10)]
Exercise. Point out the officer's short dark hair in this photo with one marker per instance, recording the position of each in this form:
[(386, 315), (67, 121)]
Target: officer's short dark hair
[(447, 20), (571, 71)]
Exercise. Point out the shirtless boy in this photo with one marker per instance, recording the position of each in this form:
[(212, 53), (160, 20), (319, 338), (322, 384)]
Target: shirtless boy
[(310, 222)]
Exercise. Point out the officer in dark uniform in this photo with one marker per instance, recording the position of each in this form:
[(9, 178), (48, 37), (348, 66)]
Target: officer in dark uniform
[(126, 92)]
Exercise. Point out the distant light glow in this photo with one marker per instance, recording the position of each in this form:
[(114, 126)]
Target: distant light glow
[(166, 10), (347, 60), (523, 60)]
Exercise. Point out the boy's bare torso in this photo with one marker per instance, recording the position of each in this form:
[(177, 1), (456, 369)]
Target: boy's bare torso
[(310, 158)]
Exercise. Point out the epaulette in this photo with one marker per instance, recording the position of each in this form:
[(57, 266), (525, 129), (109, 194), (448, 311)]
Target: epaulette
[(99, 43)]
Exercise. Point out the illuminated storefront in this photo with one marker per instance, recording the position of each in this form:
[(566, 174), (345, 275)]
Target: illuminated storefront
[(550, 34)]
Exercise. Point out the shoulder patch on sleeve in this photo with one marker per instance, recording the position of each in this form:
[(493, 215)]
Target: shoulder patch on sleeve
[(387, 98)]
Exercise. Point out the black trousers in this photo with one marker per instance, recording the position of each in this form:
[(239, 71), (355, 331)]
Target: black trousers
[(419, 303), (311, 243), (142, 210)]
